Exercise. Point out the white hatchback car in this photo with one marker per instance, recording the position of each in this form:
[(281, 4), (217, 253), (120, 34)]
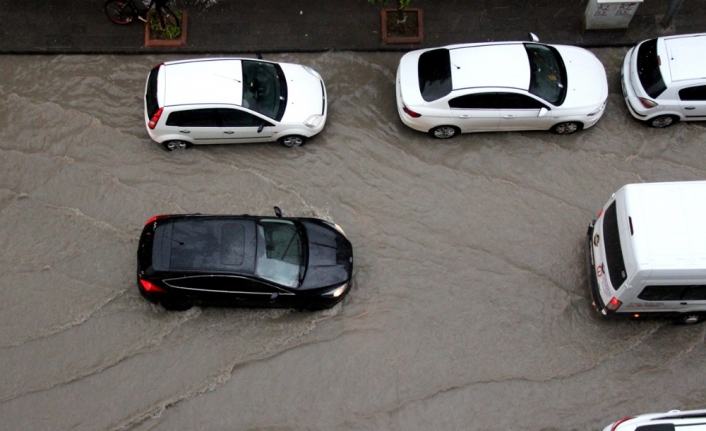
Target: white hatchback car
[(233, 100), (664, 79), (674, 420), (483, 87)]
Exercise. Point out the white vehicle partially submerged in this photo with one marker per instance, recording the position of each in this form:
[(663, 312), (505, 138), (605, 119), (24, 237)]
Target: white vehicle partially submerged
[(233, 100), (646, 252), (673, 420), (496, 86)]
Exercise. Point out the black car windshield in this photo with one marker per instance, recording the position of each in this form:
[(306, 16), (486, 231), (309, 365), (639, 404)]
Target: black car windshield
[(281, 252), (648, 69), (434, 73), (547, 73), (264, 88)]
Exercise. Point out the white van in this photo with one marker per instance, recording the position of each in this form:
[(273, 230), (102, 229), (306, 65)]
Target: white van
[(646, 252), (674, 420)]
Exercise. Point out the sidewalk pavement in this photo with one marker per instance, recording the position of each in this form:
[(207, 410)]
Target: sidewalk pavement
[(238, 26)]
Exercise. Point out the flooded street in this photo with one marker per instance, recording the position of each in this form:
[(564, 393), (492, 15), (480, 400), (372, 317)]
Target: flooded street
[(470, 307)]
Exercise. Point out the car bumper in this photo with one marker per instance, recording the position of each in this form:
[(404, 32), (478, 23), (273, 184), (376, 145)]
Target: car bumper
[(597, 302), (629, 94)]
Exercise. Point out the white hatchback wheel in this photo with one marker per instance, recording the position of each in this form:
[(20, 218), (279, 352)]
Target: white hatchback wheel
[(662, 121)]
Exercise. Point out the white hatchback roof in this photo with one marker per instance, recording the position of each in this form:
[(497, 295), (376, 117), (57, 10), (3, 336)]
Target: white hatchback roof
[(687, 56), (495, 65), (217, 81), (668, 223)]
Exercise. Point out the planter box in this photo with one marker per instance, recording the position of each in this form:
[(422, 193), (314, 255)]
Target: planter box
[(411, 31), (166, 42)]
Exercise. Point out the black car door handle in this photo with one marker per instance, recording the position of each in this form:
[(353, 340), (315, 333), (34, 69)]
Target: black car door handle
[(184, 131), (689, 108), (228, 132)]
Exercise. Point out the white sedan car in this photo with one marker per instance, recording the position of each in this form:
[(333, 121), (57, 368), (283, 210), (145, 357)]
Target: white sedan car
[(498, 86), (664, 80), (233, 100)]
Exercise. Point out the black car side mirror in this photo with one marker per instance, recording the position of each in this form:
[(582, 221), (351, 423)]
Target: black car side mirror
[(262, 126), (278, 212)]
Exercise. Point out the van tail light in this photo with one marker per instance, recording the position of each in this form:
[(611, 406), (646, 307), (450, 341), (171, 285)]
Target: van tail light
[(613, 304), (647, 103), (155, 118), (151, 287), (617, 424), (154, 219), (600, 213), (158, 66), (411, 113)]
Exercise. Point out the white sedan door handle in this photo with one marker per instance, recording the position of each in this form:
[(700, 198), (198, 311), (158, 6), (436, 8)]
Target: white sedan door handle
[(464, 116), (509, 116)]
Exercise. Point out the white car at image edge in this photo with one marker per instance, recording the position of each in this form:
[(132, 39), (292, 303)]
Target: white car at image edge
[(664, 80), (499, 86), (673, 420), (233, 100)]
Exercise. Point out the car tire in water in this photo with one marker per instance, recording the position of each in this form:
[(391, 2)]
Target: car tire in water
[(567, 128), (120, 12), (689, 318), (176, 305), (292, 141), (662, 121), (444, 132), (176, 145)]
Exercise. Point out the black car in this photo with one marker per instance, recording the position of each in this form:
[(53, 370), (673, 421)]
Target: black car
[(244, 261)]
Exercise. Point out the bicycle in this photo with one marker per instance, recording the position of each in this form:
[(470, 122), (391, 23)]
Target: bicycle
[(125, 11)]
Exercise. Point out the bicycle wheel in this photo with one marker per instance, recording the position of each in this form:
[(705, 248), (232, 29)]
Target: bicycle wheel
[(120, 12), (168, 17)]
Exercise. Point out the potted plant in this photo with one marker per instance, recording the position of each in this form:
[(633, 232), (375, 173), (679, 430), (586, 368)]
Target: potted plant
[(166, 32), (401, 25)]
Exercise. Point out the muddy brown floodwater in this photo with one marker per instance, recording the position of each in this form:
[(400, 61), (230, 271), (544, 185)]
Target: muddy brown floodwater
[(470, 306)]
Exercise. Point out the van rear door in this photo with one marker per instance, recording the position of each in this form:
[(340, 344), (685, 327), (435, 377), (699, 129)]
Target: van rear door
[(608, 259)]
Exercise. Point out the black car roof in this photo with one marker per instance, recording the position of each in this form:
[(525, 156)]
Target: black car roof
[(206, 244)]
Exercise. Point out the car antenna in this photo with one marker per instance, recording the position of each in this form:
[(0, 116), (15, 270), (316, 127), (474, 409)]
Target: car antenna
[(278, 212), (258, 55)]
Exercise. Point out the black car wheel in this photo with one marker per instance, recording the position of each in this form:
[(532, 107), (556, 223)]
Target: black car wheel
[(444, 132), (293, 141), (176, 145), (662, 121), (176, 305), (689, 319), (567, 128)]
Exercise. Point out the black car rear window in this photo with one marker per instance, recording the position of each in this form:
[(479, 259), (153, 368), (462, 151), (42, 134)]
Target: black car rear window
[(648, 69), (613, 248), (151, 93), (435, 74)]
